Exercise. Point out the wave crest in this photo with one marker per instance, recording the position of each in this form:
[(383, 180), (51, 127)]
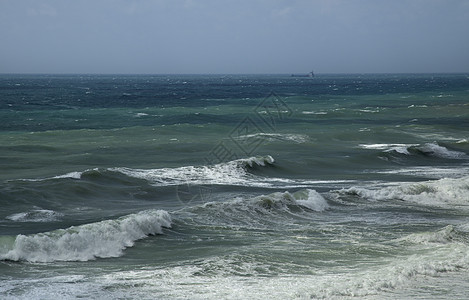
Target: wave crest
[(233, 173), (307, 198), (448, 234), (260, 211), (444, 192), (35, 215), (90, 241), (427, 149)]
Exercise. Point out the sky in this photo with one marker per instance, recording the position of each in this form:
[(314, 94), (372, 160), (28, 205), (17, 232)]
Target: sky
[(234, 36)]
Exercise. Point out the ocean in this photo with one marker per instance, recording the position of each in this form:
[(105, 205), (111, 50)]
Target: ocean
[(234, 186)]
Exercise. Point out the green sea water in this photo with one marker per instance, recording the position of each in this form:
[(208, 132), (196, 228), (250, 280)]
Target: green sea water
[(234, 186)]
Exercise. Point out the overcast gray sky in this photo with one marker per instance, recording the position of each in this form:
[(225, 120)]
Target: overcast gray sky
[(233, 36)]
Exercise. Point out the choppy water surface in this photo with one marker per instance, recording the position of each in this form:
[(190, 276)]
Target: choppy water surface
[(170, 187)]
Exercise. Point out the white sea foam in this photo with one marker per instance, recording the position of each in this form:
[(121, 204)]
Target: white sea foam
[(234, 278), (229, 173), (419, 106), (35, 215), (261, 212), (400, 148), (232, 173), (297, 138), (86, 242), (436, 257), (444, 192), (369, 110), (398, 273), (432, 172), (434, 149), (448, 234), (73, 175), (430, 149), (314, 112), (443, 96), (306, 198)]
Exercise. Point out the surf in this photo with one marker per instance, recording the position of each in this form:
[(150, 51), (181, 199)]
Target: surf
[(105, 239), (445, 192)]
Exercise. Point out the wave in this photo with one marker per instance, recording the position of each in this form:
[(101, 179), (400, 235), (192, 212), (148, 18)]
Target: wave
[(230, 173), (236, 173), (396, 276), (314, 112), (448, 234), (256, 212), (427, 149), (433, 149), (307, 198), (85, 242), (399, 148), (446, 192), (296, 138), (430, 172), (189, 181), (35, 215), (385, 279), (70, 175)]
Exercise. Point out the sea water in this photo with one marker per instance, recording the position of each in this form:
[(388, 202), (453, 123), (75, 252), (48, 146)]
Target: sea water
[(234, 186)]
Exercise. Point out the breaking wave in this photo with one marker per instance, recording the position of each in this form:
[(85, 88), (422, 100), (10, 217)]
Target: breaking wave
[(85, 242), (427, 149), (307, 198), (446, 235), (257, 212), (446, 192), (296, 138), (232, 173)]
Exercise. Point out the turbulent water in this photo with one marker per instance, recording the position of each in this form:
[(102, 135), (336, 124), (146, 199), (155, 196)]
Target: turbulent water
[(234, 187)]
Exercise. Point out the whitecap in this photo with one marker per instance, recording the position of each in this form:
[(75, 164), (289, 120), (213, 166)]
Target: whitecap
[(297, 138), (446, 192), (430, 149), (428, 171), (311, 199), (378, 280), (399, 148), (35, 215), (436, 150), (73, 175), (314, 112), (281, 201), (231, 173), (87, 242), (447, 234)]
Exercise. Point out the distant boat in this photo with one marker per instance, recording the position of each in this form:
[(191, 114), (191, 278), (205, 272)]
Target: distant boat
[(310, 74)]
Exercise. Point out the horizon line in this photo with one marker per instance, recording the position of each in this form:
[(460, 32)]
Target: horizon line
[(225, 74)]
